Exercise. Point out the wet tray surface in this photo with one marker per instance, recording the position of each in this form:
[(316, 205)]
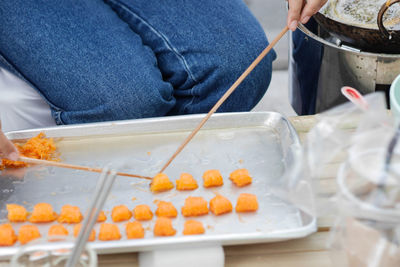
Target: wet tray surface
[(261, 142)]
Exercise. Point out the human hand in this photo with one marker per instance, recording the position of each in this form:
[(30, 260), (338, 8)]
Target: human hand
[(298, 14), (7, 149)]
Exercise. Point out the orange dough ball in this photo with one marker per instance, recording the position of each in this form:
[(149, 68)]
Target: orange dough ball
[(193, 227), (186, 182), (220, 205), (246, 202), (7, 235), (16, 213), (43, 212), (121, 213), (212, 178), (57, 229), (142, 213), (161, 183), (134, 230), (102, 217), (109, 231), (28, 233), (163, 227), (240, 177), (194, 206), (70, 214), (166, 209), (77, 229)]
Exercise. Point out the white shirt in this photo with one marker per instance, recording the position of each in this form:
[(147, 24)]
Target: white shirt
[(21, 107)]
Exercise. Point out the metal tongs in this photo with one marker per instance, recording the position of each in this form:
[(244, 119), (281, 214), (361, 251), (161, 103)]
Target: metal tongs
[(103, 188)]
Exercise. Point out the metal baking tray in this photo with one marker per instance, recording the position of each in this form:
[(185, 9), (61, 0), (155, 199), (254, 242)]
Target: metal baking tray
[(264, 143)]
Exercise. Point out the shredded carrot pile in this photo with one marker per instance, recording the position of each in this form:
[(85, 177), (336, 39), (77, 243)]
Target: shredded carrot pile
[(38, 147)]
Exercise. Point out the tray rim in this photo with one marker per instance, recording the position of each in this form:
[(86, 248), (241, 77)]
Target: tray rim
[(149, 244)]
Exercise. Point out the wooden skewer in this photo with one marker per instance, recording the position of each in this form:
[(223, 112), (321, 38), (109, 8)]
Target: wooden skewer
[(226, 95), (75, 167)]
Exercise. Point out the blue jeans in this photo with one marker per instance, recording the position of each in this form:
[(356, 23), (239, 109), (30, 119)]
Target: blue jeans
[(95, 60)]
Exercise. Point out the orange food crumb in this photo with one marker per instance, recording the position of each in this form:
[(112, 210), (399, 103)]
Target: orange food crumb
[(70, 214), (121, 213), (163, 227), (7, 235), (142, 213), (240, 177), (186, 182), (28, 233), (38, 147), (42, 212), (102, 217), (134, 230), (57, 229), (246, 202), (16, 213), (77, 229), (194, 206), (166, 209), (212, 178), (220, 205), (109, 231), (161, 183), (193, 227)]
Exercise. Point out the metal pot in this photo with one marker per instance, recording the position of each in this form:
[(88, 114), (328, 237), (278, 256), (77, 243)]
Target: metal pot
[(365, 37), (321, 64)]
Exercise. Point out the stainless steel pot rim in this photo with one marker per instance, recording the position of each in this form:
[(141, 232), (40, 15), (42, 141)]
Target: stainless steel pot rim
[(349, 49)]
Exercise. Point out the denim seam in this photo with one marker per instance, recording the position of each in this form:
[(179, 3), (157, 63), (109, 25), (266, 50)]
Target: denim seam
[(162, 37)]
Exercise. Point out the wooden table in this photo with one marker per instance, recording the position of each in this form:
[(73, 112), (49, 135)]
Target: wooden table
[(308, 252)]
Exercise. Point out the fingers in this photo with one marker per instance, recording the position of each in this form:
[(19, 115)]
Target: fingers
[(295, 7), (7, 149), (311, 7)]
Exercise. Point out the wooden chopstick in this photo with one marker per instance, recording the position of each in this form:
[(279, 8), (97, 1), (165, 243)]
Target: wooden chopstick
[(75, 167), (226, 95)]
